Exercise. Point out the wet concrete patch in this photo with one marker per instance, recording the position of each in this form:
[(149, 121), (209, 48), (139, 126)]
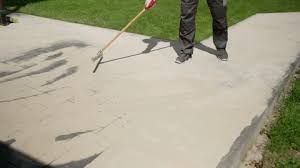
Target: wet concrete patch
[(71, 135), (53, 47), (68, 72), (46, 69)]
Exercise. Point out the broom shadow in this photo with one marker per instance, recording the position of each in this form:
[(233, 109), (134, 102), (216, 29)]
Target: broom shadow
[(153, 42)]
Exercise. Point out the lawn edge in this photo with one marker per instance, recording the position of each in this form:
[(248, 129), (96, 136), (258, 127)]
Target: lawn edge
[(248, 136), (256, 155)]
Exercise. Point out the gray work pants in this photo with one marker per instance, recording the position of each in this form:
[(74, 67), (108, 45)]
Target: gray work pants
[(188, 28)]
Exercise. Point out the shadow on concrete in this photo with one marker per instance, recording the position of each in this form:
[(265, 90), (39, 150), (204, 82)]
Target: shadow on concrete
[(31, 54), (10, 141), (46, 69), (70, 136), (205, 48), (52, 62), (153, 42), (54, 56), (68, 72), (7, 73), (13, 158), (15, 5)]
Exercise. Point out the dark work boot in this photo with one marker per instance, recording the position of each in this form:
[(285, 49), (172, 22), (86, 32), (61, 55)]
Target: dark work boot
[(3, 18), (222, 54), (182, 58)]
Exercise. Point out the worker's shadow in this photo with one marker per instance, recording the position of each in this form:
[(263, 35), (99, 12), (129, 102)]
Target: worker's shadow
[(153, 42)]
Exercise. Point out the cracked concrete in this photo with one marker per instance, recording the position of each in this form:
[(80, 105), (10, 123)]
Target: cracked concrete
[(140, 107)]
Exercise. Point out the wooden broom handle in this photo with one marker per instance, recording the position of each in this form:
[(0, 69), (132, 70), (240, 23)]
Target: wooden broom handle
[(124, 29)]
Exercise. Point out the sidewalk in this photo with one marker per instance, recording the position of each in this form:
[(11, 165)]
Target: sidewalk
[(140, 110)]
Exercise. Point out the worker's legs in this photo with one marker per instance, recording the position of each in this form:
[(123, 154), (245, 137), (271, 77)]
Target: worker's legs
[(1, 4), (218, 11), (187, 28), (2, 13)]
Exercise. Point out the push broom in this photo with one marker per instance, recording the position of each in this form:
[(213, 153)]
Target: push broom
[(148, 5)]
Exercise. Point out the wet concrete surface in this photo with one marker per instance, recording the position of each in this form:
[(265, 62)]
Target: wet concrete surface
[(140, 107)]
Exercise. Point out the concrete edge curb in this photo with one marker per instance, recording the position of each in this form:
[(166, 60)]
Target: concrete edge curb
[(238, 151)]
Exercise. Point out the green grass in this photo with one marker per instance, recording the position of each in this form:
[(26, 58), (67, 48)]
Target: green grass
[(283, 147), (162, 21)]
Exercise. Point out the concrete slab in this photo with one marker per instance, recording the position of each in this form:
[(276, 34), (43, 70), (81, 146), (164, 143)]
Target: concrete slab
[(140, 109)]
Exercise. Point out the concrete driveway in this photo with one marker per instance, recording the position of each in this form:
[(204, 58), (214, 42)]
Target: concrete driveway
[(140, 110)]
